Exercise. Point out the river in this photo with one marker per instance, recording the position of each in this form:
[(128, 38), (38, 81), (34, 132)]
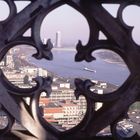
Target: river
[(64, 65)]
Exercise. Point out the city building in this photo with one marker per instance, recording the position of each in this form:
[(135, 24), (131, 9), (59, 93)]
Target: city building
[(34, 71), (44, 41), (58, 39), (15, 77), (9, 62)]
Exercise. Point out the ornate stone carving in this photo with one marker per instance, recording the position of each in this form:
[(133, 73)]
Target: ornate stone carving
[(119, 40)]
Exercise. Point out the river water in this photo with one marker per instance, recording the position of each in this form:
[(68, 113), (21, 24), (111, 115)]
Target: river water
[(64, 65)]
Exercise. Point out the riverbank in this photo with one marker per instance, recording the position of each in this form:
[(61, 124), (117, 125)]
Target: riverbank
[(113, 62), (110, 57)]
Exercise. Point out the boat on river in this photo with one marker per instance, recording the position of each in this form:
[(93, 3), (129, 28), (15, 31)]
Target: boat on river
[(90, 70)]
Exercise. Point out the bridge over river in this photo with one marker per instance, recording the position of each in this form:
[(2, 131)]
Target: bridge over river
[(64, 49)]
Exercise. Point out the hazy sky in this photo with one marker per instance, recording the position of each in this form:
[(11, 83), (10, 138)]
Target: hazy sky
[(73, 25)]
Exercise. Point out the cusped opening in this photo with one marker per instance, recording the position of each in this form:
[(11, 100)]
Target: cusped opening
[(18, 68), (62, 26), (5, 11), (61, 109), (110, 68), (133, 21)]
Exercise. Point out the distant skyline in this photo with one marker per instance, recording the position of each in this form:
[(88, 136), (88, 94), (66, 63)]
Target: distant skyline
[(72, 24), (66, 20), (58, 39)]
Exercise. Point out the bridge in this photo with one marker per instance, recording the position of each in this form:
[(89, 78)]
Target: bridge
[(64, 49)]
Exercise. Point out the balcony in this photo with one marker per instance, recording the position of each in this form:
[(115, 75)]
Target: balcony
[(39, 109)]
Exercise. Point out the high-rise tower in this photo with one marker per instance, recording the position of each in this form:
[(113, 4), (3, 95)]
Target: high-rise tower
[(44, 41), (58, 39)]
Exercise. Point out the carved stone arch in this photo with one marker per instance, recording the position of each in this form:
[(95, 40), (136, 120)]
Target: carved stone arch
[(115, 104)]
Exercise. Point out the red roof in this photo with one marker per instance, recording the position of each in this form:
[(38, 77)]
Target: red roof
[(45, 101), (53, 110)]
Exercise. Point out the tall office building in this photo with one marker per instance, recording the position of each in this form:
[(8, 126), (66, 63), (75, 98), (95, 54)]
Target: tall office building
[(44, 41), (58, 39), (9, 62)]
